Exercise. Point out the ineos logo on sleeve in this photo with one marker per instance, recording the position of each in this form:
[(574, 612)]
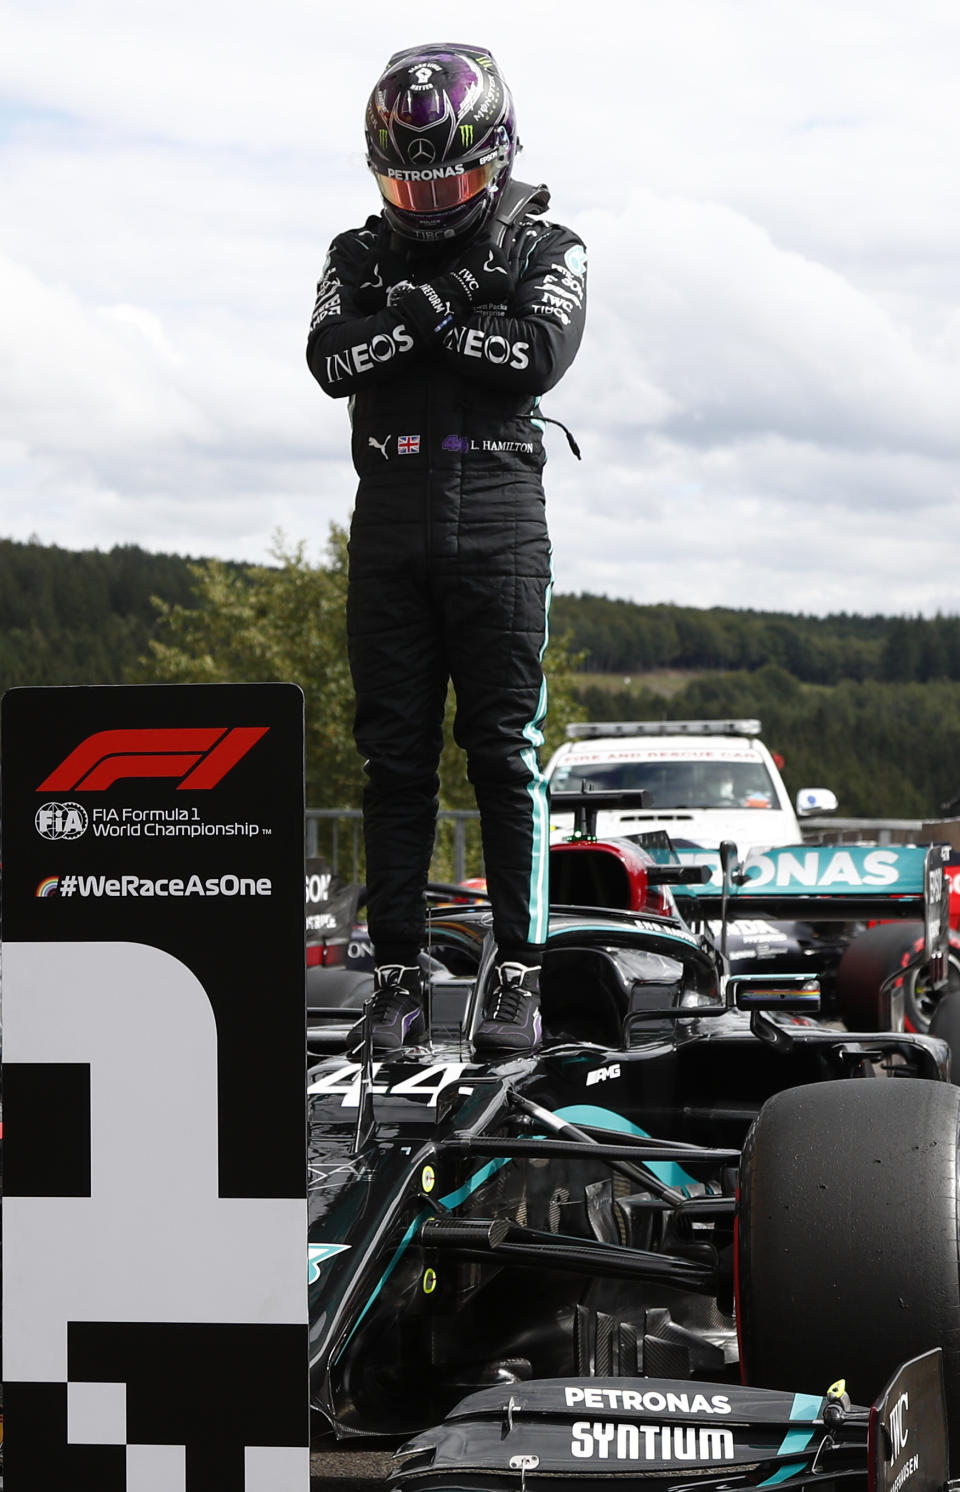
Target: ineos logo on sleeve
[(200, 756)]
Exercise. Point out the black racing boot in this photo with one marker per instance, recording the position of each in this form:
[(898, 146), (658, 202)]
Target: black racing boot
[(511, 1016), (399, 994)]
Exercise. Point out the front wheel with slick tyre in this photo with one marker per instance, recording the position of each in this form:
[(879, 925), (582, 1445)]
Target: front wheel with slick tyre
[(848, 1237), (945, 1023)]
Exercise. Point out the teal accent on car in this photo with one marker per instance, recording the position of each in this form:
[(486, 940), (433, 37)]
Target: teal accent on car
[(454, 1199), (398, 1253), (318, 1253), (674, 934), (804, 1407), (450, 1201), (783, 1474), (794, 1441), (667, 1171)]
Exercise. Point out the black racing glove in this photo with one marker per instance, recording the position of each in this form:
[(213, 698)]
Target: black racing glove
[(431, 307), (481, 276)]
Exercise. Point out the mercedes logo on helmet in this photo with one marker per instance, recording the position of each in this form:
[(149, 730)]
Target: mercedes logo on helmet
[(422, 150)]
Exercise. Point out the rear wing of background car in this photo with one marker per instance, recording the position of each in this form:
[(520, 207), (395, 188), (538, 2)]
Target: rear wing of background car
[(821, 883)]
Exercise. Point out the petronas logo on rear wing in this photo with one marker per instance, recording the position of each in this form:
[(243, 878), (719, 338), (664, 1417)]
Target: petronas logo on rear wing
[(830, 870), (826, 882)]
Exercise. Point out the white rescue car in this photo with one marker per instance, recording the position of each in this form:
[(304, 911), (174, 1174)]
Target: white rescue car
[(705, 781)]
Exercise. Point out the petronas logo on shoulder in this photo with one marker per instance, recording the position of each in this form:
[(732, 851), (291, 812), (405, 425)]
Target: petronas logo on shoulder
[(466, 134)]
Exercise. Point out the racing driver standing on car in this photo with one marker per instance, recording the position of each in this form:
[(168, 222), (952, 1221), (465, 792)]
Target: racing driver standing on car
[(443, 320)]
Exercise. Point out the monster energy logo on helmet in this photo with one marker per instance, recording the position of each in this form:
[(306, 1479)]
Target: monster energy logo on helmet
[(466, 134)]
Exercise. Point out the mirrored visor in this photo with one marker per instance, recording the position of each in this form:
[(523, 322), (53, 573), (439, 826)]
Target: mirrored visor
[(437, 193)]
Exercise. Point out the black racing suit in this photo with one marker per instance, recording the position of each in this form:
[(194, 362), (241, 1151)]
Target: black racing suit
[(450, 570)]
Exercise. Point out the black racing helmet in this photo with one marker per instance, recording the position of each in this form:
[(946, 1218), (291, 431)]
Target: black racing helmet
[(441, 140)]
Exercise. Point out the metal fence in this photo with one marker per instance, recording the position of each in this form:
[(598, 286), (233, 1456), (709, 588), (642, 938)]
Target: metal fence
[(337, 835), (835, 830)]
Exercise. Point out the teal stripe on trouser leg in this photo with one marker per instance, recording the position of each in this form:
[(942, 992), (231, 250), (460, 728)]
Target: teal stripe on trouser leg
[(540, 809)]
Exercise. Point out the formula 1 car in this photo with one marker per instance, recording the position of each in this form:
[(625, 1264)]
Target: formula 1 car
[(873, 975), (650, 1247)]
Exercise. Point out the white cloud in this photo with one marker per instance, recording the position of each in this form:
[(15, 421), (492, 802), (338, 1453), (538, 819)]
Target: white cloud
[(78, 377), (741, 336), (766, 395)]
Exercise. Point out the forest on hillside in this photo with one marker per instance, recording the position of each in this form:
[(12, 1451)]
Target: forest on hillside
[(867, 705), (888, 750), (623, 637), (81, 617)]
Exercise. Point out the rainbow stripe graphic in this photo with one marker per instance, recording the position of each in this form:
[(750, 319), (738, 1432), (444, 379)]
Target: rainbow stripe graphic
[(48, 886)]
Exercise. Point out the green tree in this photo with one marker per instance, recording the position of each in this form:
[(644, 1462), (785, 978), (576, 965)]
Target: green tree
[(273, 623), (886, 749), (287, 621)]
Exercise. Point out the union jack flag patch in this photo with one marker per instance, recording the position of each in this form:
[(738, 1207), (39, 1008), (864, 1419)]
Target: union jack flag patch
[(408, 445)]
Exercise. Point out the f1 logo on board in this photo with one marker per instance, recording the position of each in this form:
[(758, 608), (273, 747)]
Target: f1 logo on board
[(200, 756)]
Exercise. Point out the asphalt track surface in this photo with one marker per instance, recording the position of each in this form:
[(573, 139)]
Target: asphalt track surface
[(353, 1468)]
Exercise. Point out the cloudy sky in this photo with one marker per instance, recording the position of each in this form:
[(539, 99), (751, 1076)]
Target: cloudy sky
[(768, 394)]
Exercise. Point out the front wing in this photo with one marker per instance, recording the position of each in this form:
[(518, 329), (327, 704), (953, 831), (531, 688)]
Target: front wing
[(673, 1434)]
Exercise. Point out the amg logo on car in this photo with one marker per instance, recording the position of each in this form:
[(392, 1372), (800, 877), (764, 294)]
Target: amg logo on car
[(607, 1440), (200, 756), (601, 1074)]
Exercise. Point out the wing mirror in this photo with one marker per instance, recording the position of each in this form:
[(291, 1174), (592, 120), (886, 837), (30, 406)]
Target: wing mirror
[(794, 994), (812, 800)]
